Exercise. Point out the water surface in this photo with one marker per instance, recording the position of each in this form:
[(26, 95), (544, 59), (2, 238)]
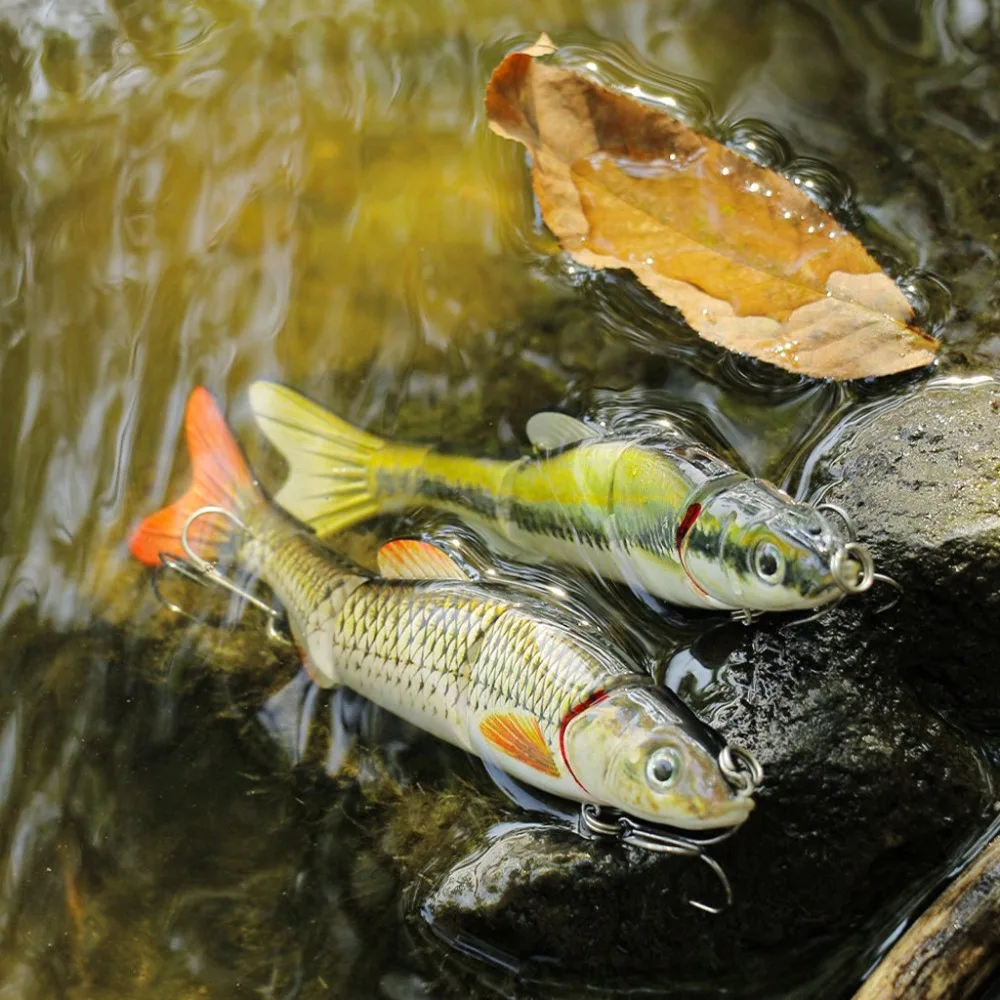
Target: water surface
[(214, 192)]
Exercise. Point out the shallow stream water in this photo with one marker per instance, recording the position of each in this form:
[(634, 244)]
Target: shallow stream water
[(216, 191)]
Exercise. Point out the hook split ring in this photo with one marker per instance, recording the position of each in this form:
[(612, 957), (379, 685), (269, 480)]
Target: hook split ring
[(741, 769), (840, 568)]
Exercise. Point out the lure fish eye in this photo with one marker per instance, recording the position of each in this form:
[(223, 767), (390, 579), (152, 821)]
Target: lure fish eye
[(662, 768), (768, 562)]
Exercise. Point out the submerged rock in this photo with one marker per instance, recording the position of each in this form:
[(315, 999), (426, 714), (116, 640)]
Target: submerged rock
[(867, 796), (870, 795)]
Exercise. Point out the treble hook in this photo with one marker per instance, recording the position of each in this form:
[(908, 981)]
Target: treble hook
[(727, 889), (634, 833), (817, 614), (745, 616), (182, 568), (838, 511), (883, 578), (199, 570), (851, 550)]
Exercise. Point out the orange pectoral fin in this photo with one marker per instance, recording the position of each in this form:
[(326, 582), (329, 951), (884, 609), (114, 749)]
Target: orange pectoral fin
[(520, 738)]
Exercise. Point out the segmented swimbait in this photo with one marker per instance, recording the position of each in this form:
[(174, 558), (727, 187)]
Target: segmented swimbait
[(661, 515), (498, 670)]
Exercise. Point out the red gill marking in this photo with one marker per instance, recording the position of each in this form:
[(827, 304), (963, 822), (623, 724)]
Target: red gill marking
[(683, 529), (591, 699), (687, 523)]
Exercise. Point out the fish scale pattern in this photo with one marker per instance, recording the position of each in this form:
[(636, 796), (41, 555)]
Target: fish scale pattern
[(537, 666), (300, 566), (408, 646), (443, 657), (442, 654)]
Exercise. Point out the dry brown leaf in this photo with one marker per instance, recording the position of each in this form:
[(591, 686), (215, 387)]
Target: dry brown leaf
[(751, 261)]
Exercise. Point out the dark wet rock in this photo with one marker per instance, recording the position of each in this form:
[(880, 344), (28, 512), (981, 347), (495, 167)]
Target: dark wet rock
[(868, 795), (921, 477)]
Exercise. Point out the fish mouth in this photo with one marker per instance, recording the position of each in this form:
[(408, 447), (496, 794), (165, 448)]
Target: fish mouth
[(821, 591), (726, 815), (735, 812)]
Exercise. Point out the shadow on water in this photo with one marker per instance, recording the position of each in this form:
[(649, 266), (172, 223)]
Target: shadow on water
[(213, 192)]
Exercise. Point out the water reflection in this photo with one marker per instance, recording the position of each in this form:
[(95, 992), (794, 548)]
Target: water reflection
[(219, 191)]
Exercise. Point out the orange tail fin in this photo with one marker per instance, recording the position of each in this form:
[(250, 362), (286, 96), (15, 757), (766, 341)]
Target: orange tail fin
[(221, 477)]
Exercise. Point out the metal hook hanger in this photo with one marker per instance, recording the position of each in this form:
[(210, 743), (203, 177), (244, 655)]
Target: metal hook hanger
[(199, 570), (853, 583), (861, 554), (658, 840), (746, 616)]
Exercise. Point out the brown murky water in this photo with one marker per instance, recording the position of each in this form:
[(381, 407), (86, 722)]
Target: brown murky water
[(214, 192)]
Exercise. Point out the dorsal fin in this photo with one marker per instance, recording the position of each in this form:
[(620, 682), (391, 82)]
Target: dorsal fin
[(412, 559), (549, 431)]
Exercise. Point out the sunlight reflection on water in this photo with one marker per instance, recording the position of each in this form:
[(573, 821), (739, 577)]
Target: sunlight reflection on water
[(218, 191)]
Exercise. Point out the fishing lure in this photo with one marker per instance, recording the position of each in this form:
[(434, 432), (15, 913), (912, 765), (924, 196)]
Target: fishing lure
[(498, 670), (657, 513)]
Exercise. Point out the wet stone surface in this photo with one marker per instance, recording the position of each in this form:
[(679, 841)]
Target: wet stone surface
[(869, 790), (920, 479), (867, 793)]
